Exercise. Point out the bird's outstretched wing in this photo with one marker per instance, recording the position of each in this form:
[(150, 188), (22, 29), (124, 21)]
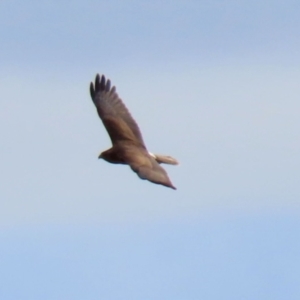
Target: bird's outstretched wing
[(115, 116), (152, 171)]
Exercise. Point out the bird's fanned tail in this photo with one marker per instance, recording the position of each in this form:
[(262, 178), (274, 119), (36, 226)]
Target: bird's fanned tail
[(164, 159)]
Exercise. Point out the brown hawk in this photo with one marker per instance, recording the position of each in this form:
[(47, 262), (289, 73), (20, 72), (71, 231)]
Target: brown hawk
[(128, 146)]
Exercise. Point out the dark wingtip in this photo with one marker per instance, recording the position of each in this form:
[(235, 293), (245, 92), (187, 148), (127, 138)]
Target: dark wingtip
[(102, 82), (97, 82), (170, 185), (113, 90), (92, 90), (107, 86)]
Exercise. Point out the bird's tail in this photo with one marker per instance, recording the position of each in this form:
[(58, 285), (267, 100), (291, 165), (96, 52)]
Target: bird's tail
[(164, 159)]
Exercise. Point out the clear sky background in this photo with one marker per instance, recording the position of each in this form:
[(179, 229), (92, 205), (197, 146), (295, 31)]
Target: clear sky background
[(214, 84)]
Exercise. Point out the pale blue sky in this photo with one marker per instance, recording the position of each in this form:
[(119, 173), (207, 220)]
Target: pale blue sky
[(213, 83)]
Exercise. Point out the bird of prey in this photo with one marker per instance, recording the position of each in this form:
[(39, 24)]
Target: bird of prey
[(128, 146)]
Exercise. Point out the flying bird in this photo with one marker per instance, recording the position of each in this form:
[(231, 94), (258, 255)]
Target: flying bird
[(128, 146)]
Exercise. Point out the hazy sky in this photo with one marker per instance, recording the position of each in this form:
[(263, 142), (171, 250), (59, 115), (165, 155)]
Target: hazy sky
[(214, 84)]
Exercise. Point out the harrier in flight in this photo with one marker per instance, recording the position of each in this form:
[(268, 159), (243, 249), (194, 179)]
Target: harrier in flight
[(128, 146)]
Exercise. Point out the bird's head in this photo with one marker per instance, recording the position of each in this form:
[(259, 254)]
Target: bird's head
[(111, 156), (106, 155)]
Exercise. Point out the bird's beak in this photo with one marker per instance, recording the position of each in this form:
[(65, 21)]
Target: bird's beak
[(100, 156)]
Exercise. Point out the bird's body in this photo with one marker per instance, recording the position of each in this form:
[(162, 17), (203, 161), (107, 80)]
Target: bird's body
[(128, 146)]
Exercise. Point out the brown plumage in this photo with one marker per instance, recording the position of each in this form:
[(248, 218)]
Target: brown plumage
[(128, 146)]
